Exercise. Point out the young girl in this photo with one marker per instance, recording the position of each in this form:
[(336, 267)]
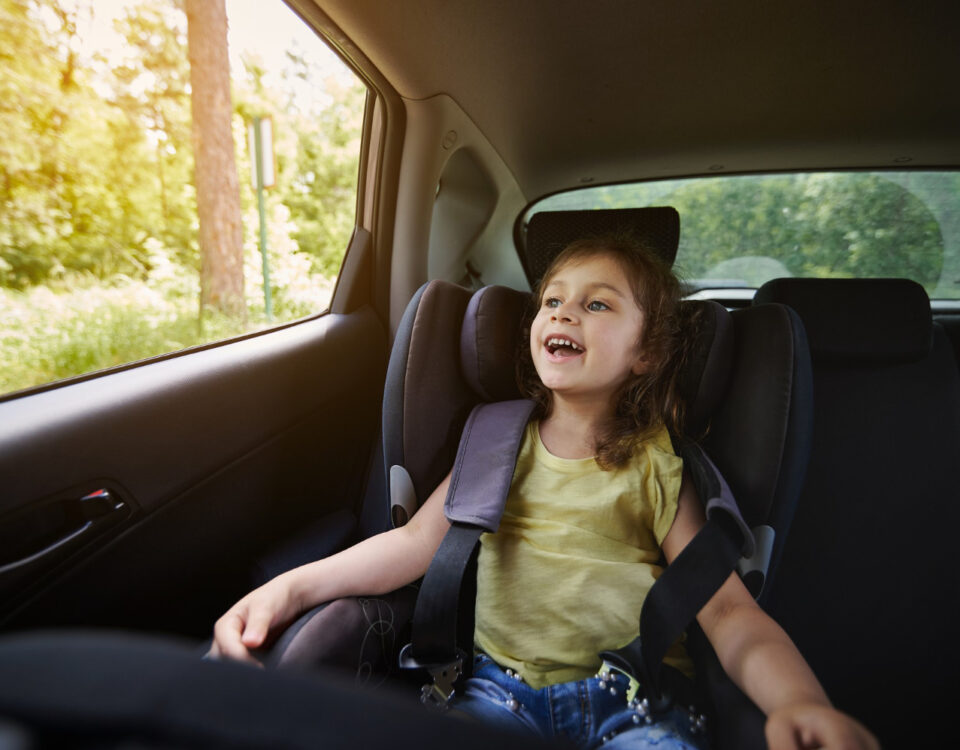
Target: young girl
[(597, 495)]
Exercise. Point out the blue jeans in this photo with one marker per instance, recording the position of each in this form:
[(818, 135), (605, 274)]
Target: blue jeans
[(590, 712)]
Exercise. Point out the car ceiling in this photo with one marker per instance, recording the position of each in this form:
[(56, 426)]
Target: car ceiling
[(571, 92)]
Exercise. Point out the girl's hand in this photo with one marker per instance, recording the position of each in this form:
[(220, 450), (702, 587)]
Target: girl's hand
[(804, 726), (247, 624)]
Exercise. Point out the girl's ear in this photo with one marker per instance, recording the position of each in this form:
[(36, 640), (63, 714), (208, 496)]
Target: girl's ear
[(641, 366)]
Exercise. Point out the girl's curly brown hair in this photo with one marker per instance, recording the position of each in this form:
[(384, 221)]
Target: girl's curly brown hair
[(645, 401)]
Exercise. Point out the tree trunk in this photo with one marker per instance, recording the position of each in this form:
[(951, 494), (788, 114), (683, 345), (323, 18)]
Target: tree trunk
[(218, 187)]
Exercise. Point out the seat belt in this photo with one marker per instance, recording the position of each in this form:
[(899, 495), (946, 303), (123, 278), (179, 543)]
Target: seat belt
[(479, 483), (687, 583)]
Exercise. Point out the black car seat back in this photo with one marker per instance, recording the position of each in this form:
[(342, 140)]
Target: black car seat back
[(867, 586)]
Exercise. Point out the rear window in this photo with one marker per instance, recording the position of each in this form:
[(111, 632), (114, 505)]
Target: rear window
[(738, 232)]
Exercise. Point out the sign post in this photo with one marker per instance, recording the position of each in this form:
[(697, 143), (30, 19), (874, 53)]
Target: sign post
[(260, 134)]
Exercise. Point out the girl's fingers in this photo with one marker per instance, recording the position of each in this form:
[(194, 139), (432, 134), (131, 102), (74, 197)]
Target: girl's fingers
[(781, 735), (817, 727), (247, 625), (227, 641), (258, 626)]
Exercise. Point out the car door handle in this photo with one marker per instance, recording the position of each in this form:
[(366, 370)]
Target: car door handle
[(95, 510)]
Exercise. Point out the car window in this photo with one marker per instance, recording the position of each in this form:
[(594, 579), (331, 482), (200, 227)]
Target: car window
[(738, 232), (131, 223)]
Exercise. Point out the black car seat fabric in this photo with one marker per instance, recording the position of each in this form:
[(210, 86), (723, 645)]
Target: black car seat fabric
[(759, 435), (426, 400), (867, 586), (548, 232)]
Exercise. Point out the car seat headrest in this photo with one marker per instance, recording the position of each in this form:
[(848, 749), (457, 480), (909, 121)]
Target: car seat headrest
[(489, 341), (549, 232), (491, 336), (876, 321)]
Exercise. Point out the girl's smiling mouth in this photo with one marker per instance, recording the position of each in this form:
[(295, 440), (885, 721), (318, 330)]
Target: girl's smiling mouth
[(561, 347)]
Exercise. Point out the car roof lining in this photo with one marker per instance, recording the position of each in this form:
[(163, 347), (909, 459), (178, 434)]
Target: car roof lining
[(671, 89)]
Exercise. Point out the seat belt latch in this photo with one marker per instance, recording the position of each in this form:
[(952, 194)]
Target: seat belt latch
[(633, 684), (438, 693)]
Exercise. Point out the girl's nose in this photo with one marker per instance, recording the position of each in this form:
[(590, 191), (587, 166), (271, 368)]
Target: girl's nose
[(563, 314)]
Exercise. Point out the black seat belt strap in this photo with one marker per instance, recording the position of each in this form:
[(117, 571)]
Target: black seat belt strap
[(434, 625), (689, 582), (481, 477), (673, 602)]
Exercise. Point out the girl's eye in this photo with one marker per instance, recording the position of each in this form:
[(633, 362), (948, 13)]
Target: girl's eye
[(597, 306), (551, 302)]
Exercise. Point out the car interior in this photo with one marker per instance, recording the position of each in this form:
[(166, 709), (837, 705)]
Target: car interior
[(140, 502)]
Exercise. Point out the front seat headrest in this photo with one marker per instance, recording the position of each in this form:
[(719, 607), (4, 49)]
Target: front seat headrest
[(858, 320), (549, 232)]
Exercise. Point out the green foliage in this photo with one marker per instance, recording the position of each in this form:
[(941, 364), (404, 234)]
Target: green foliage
[(79, 171), (151, 87), (31, 116), (82, 323), (317, 153), (96, 161), (99, 252), (745, 230), (322, 189)]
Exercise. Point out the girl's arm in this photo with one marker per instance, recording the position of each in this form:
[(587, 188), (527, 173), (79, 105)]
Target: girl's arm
[(760, 657), (374, 566)]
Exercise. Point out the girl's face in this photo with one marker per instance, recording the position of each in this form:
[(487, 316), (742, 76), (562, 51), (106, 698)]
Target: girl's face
[(585, 338)]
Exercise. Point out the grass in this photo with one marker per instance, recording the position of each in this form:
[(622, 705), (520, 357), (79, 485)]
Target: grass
[(50, 333)]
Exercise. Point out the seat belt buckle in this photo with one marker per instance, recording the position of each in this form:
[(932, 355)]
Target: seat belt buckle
[(438, 693), (607, 670), (638, 697)]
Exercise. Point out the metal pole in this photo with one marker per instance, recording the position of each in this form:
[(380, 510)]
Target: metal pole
[(261, 205)]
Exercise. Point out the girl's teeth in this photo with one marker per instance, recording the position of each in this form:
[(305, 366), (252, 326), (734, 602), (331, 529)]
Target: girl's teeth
[(563, 342)]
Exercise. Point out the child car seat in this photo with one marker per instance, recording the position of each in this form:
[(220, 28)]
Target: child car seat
[(750, 384)]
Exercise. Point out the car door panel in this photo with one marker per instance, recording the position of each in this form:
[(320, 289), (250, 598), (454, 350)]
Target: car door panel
[(214, 457)]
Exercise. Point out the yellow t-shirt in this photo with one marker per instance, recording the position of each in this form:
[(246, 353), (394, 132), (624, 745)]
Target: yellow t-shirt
[(577, 550)]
